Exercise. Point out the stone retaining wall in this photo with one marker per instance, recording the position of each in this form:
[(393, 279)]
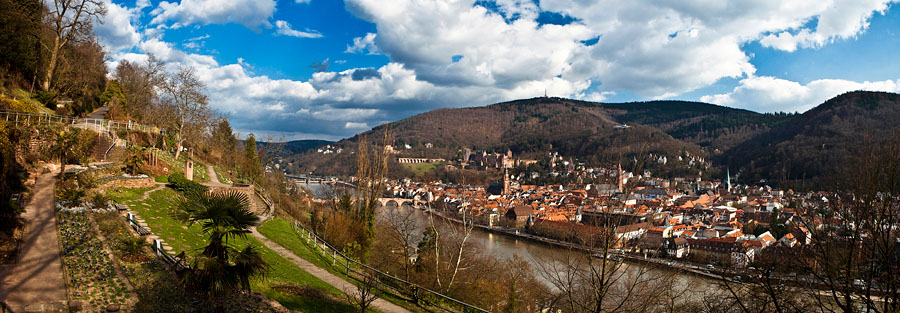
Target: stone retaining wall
[(130, 183)]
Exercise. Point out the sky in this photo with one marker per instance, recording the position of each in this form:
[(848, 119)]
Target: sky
[(328, 69)]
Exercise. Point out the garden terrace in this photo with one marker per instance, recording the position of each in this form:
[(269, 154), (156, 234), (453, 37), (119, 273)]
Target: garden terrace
[(90, 272), (286, 283)]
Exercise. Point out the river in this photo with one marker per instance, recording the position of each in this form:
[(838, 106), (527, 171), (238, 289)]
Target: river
[(505, 247)]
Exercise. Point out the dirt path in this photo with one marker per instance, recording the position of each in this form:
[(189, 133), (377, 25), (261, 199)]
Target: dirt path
[(322, 274), (214, 178), (148, 192), (36, 282), (99, 113)]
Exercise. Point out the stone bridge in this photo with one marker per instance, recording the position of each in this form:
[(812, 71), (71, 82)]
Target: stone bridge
[(385, 201), (402, 201)]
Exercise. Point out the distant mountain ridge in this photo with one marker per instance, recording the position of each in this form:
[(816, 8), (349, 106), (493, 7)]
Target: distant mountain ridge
[(297, 146), (777, 147), (587, 130)]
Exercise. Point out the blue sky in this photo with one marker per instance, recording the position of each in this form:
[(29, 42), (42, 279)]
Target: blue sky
[(327, 69)]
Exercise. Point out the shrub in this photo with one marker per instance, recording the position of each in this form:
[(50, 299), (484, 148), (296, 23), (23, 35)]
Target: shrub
[(100, 200), (46, 98), (132, 246), (180, 183), (69, 191)]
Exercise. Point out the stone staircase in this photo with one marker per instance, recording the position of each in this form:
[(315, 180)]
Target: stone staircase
[(108, 149)]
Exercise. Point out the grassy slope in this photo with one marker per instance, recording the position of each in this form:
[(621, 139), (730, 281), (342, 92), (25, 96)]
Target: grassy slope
[(281, 232), (20, 100), (421, 168), (156, 212)]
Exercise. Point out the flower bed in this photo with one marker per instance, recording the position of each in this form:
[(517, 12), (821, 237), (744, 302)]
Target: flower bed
[(90, 271)]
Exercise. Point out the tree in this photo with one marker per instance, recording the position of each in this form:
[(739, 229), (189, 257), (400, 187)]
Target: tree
[(65, 146), (134, 160), (402, 230), (70, 20), (138, 82), (81, 74), (223, 141), (363, 295), (224, 216), (252, 168), (370, 174), (186, 95), (20, 33)]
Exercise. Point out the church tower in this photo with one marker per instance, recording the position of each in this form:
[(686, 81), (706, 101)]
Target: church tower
[(505, 182), (619, 178)]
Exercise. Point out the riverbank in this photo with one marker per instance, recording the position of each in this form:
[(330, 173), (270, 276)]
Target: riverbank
[(678, 266)]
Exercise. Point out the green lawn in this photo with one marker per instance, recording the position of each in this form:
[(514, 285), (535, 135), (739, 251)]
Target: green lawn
[(126, 194), (281, 232), (177, 166), (421, 168), (223, 175), (284, 275)]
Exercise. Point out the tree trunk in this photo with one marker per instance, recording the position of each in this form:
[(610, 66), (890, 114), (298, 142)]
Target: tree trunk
[(54, 55)]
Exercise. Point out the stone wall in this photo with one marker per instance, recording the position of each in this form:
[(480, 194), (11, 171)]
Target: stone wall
[(256, 204), (129, 183)]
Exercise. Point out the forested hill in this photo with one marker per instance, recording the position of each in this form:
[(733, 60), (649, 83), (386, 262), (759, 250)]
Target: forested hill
[(587, 130), (295, 146), (704, 124), (815, 145)]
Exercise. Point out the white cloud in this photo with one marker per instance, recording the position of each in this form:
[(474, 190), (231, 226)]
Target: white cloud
[(302, 1), (141, 4), (449, 53), (363, 44), (357, 126), (770, 94), (250, 13), (840, 19), (653, 48), (284, 28), (117, 32)]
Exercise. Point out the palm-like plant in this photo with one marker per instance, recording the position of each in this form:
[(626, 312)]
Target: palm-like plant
[(135, 159), (224, 216), (65, 146)]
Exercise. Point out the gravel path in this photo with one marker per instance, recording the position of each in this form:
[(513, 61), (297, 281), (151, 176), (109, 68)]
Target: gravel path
[(36, 283)]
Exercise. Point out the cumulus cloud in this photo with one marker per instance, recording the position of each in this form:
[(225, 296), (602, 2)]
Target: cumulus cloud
[(455, 53), (841, 19), (117, 32), (770, 94), (655, 49), (363, 44), (284, 28), (250, 13)]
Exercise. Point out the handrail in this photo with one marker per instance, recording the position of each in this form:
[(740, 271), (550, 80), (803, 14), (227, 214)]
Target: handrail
[(416, 289), (99, 124)]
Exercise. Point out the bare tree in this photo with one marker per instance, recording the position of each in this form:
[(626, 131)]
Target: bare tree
[(370, 175), (188, 98), (403, 230), (449, 243), (364, 293), (69, 20)]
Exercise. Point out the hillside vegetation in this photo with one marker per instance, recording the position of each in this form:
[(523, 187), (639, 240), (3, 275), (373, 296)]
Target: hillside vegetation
[(808, 150)]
